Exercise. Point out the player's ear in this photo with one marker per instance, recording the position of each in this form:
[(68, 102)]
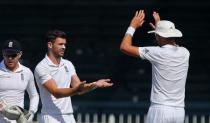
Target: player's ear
[(49, 44), (20, 54)]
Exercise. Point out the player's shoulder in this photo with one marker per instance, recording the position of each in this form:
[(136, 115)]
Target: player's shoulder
[(151, 49), (185, 50), (67, 62), (41, 65), (27, 70)]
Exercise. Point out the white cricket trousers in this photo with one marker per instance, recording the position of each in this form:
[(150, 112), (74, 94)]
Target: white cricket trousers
[(165, 114), (52, 118)]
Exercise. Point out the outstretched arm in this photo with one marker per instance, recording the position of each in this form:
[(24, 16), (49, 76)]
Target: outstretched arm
[(43, 77), (51, 86), (126, 44)]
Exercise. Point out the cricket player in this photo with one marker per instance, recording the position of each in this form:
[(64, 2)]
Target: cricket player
[(57, 81), (169, 68), (15, 79)]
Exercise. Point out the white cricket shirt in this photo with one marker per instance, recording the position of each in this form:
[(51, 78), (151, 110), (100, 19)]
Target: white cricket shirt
[(14, 84), (61, 73), (169, 72)]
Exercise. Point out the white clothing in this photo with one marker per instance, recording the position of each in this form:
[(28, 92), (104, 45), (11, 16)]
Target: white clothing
[(169, 72), (61, 74), (66, 118), (14, 84), (165, 114)]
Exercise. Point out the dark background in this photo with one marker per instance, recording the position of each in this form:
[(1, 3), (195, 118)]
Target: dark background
[(95, 29)]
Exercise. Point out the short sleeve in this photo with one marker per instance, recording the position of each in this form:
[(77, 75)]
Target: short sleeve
[(149, 53), (71, 67), (42, 74)]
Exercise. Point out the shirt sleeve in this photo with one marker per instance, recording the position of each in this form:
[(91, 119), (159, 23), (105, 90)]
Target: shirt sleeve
[(42, 75), (32, 92), (72, 69), (151, 54)]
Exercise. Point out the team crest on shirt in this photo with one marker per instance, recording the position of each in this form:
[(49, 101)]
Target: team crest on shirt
[(66, 69), (22, 77)]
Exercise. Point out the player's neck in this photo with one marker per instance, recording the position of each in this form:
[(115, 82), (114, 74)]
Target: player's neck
[(55, 59), (167, 42)]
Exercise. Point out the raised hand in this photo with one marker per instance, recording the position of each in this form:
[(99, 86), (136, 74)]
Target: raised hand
[(156, 17), (138, 19)]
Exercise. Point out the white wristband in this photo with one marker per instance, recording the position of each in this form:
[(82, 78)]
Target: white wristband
[(130, 30)]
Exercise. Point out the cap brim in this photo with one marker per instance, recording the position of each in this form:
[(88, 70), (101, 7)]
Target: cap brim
[(167, 34), (10, 51)]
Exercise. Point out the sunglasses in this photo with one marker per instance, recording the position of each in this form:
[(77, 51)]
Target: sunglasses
[(11, 55)]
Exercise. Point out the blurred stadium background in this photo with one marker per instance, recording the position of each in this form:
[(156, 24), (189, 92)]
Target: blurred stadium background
[(95, 29)]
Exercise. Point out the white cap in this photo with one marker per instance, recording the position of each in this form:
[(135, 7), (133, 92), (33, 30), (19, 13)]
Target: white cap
[(166, 29)]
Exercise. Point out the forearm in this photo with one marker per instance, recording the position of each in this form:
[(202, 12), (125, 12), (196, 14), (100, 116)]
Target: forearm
[(88, 86), (64, 92), (127, 47), (126, 42), (34, 101)]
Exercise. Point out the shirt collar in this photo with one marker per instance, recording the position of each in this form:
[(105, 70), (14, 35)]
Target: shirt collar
[(50, 63), (19, 69), (169, 46)]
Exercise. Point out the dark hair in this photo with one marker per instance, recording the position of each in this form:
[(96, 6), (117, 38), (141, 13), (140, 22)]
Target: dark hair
[(53, 34)]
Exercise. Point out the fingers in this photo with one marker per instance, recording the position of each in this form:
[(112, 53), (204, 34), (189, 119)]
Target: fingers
[(136, 14), (84, 81), (140, 14), (141, 23), (138, 19), (103, 83), (106, 80), (156, 17), (155, 14), (152, 25)]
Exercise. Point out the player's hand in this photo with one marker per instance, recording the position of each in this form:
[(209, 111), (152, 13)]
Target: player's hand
[(103, 83), (80, 86), (30, 116), (11, 112), (84, 88), (138, 19), (156, 17)]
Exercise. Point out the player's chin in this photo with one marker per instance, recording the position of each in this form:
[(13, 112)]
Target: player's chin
[(11, 65), (61, 54)]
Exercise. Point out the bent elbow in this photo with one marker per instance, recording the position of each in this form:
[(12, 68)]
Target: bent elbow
[(57, 95), (122, 48)]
